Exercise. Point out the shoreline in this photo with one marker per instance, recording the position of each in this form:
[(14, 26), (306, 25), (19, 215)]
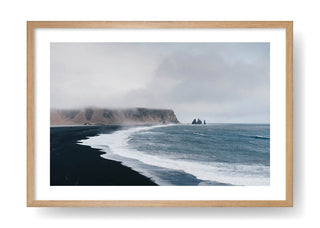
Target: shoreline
[(73, 164)]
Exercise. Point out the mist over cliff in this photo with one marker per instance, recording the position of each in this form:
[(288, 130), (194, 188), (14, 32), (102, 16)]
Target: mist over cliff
[(98, 116)]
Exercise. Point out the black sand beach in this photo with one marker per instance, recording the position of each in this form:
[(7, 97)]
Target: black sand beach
[(74, 164)]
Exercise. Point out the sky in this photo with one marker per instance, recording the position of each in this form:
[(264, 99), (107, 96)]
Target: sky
[(218, 82)]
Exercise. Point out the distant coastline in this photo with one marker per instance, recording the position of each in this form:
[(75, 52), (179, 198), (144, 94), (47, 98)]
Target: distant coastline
[(99, 116)]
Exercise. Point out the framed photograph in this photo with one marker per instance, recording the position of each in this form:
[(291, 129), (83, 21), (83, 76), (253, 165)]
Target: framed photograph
[(159, 114)]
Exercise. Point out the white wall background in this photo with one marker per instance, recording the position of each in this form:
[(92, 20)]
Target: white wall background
[(14, 15)]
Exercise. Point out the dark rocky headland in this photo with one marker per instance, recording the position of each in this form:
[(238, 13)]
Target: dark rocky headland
[(98, 116)]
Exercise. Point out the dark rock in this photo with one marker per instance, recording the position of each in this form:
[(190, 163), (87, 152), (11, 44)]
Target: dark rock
[(89, 113), (195, 121)]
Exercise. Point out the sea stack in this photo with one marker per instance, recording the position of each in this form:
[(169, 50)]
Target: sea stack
[(195, 121)]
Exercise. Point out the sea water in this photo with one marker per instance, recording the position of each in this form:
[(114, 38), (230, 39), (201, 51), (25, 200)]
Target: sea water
[(185, 154)]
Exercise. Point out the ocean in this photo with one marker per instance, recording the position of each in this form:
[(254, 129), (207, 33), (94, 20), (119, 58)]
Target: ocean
[(191, 155)]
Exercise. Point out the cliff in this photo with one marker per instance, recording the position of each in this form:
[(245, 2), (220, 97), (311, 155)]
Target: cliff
[(95, 116)]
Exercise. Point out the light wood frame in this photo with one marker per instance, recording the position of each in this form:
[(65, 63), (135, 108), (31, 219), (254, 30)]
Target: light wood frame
[(32, 25)]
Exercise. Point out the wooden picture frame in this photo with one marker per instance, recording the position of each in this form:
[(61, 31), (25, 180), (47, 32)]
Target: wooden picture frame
[(33, 25)]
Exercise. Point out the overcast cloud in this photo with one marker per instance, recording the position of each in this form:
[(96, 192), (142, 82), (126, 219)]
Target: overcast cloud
[(219, 82)]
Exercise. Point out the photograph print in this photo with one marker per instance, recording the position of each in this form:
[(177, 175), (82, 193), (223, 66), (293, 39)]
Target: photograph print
[(160, 114)]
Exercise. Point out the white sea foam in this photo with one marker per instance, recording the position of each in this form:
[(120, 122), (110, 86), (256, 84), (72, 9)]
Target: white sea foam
[(196, 133), (261, 137), (117, 148)]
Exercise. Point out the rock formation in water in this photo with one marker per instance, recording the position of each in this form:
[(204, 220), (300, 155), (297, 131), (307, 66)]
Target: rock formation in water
[(195, 121), (95, 116)]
